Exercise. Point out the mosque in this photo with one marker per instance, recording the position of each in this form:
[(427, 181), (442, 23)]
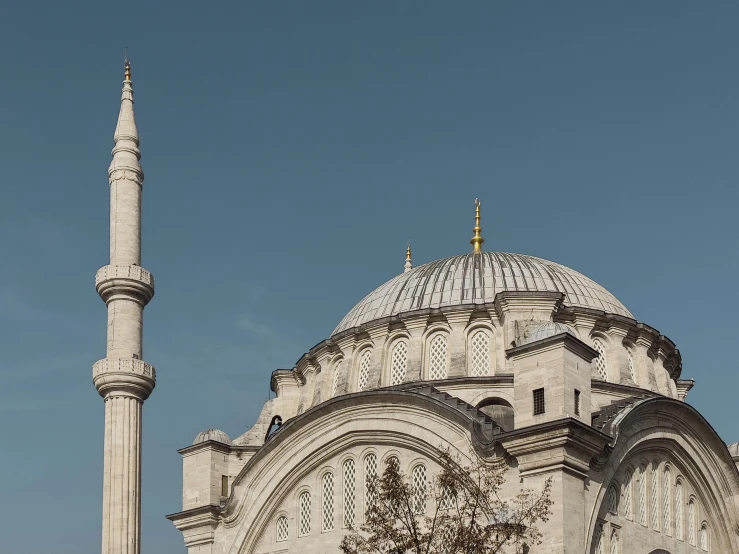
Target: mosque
[(528, 362)]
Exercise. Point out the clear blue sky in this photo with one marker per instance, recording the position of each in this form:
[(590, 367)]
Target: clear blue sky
[(290, 149)]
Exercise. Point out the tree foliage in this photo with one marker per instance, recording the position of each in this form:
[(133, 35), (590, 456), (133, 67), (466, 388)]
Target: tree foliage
[(459, 511)]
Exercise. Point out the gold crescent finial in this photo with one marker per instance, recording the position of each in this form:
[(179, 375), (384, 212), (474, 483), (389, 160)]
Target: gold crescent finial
[(477, 240), (408, 258), (127, 65)]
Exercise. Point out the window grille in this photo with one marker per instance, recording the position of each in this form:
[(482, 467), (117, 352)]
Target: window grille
[(612, 499), (679, 511), (539, 407), (370, 474), (398, 363), (337, 372), (704, 537), (282, 528), (349, 493), (577, 402), (628, 510), (631, 367), (480, 354), (614, 542), (691, 522), (364, 366), (304, 513), (437, 358), (446, 501), (446, 539), (599, 539), (419, 489), (655, 498), (327, 513), (600, 362), (643, 494), (666, 507)]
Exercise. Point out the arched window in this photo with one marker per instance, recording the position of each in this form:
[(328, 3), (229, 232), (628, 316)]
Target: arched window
[(393, 460), (613, 499), (628, 486), (419, 489), (350, 489), (655, 497), (600, 538), (398, 362), (282, 529), (480, 354), (691, 522), (601, 365), (643, 494), (438, 358), (631, 367), (337, 372), (679, 510), (614, 542), (666, 505), (370, 474), (364, 367), (327, 510), (704, 537), (304, 505)]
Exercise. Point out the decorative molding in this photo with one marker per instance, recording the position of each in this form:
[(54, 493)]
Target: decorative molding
[(129, 174), (130, 282), (124, 376)]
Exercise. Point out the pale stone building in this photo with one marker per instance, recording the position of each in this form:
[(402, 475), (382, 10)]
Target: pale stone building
[(524, 360)]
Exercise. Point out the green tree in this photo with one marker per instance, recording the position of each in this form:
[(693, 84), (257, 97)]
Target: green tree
[(459, 511)]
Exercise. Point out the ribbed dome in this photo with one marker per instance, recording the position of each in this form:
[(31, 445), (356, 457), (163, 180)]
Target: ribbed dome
[(476, 279), (212, 435)]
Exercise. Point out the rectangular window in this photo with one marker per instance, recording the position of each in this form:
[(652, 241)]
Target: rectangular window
[(224, 485), (539, 402), (577, 402)]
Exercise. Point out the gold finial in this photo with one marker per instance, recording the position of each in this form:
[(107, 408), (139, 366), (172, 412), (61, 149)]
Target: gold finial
[(408, 259), (127, 76), (477, 240)]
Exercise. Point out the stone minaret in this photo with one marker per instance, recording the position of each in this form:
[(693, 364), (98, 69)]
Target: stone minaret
[(123, 379)]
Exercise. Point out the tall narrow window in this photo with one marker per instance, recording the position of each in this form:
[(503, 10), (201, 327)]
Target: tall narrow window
[(419, 489), (438, 358), (398, 363), (480, 351), (628, 486), (370, 474), (704, 537), (350, 489), (679, 510), (599, 539), (337, 373), (614, 542), (601, 365), (691, 522), (364, 367), (613, 500), (282, 528), (666, 506), (539, 406), (304, 505), (577, 402), (643, 494), (224, 485), (655, 497), (327, 511), (632, 374)]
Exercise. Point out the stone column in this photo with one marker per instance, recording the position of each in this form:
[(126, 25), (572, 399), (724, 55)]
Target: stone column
[(458, 343), (415, 328)]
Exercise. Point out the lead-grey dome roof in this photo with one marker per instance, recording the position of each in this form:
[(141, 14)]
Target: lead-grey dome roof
[(476, 279), (212, 435)]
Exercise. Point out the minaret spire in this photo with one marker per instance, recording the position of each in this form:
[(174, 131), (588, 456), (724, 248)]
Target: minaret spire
[(477, 241), (408, 259), (122, 378)]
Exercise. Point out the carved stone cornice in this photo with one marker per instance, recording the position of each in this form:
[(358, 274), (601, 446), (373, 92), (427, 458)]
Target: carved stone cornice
[(198, 525), (124, 376), (129, 282), (135, 175)]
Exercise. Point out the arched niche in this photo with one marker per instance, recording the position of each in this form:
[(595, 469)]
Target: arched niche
[(498, 410)]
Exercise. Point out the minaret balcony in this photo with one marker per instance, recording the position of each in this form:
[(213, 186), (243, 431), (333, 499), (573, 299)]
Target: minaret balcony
[(124, 375), (131, 282)]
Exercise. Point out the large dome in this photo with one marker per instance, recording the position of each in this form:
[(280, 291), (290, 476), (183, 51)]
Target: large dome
[(476, 279)]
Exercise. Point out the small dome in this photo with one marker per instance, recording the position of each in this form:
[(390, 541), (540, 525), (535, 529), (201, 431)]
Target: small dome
[(212, 435), (549, 329), (734, 449)]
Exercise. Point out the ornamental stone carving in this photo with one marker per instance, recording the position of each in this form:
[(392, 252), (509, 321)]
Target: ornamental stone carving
[(124, 375), (126, 281), (126, 175)]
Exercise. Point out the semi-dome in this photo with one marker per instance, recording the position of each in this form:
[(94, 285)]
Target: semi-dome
[(476, 279), (212, 435), (550, 329)]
